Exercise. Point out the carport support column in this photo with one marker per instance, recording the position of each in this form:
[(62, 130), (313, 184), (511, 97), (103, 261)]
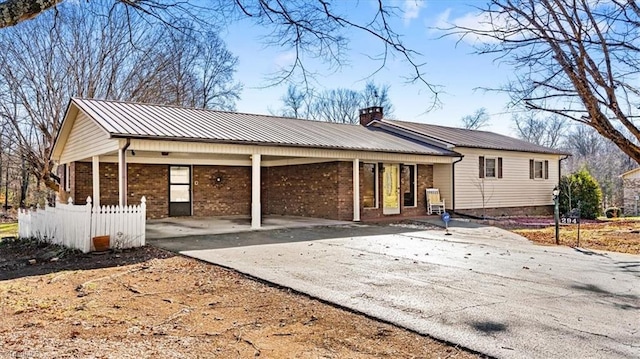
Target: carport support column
[(356, 190), (95, 171), (122, 174), (256, 209)]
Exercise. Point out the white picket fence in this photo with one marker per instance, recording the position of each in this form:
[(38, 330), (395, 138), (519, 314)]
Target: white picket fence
[(74, 226)]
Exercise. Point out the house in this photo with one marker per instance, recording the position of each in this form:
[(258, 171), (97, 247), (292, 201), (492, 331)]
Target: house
[(496, 175), (631, 191), (194, 162)]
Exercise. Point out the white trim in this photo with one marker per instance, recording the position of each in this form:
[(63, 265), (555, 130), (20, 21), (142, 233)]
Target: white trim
[(356, 190), (308, 152), (95, 171), (255, 191), (122, 177), (495, 168)]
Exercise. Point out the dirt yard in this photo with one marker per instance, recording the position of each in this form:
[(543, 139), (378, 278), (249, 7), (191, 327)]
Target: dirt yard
[(615, 235), (150, 303)]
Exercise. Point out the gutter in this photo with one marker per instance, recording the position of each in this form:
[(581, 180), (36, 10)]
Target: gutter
[(453, 184)]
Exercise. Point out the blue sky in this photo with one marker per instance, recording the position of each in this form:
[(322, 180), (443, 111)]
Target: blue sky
[(449, 63)]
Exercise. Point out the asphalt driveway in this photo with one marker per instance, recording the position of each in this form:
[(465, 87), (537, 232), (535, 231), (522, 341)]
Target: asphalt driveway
[(483, 288)]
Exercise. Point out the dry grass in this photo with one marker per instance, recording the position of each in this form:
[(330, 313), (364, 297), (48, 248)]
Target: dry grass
[(8, 229), (177, 308), (616, 235)]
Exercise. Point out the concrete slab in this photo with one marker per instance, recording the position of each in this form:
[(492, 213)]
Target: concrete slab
[(484, 288), (175, 227)]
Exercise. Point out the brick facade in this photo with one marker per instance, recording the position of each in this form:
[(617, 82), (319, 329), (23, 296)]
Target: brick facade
[(323, 190), (631, 188), (314, 190), (221, 190), (509, 211)]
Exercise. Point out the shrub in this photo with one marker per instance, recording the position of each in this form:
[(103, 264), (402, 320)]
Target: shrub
[(580, 188)]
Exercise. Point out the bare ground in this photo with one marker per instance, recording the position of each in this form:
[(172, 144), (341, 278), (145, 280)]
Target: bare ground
[(150, 303), (618, 236)]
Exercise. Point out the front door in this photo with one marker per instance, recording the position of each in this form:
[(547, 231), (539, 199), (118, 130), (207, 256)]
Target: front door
[(391, 189), (179, 191)]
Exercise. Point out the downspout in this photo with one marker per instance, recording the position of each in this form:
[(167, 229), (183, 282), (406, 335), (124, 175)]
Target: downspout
[(453, 184), (560, 168)]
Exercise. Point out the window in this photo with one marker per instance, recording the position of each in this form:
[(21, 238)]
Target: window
[(370, 185), (538, 169), (490, 167), (408, 185)]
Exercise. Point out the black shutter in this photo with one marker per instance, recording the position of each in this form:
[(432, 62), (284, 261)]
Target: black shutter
[(481, 167), (499, 167), (546, 169), (531, 169)]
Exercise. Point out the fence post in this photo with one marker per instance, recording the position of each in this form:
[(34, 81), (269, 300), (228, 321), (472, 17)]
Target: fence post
[(143, 219)]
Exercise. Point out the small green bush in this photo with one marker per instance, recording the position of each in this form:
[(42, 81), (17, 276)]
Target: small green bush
[(580, 188)]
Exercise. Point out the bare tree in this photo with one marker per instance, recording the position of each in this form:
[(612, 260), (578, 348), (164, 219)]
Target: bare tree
[(577, 59), (601, 157), (309, 29), (101, 52), (477, 120), (336, 105), (295, 102), (548, 131)]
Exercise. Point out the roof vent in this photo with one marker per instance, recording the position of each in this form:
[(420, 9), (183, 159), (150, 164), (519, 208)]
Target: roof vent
[(370, 114)]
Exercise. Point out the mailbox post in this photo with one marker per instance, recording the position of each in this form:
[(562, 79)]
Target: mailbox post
[(556, 212)]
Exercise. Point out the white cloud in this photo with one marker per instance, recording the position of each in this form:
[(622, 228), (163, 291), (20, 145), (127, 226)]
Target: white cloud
[(471, 20), (285, 59), (411, 10)]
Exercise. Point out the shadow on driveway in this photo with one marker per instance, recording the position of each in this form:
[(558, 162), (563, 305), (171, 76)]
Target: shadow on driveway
[(287, 235)]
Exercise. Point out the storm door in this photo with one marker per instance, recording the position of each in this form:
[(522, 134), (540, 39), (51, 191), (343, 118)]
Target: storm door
[(179, 191), (391, 189)]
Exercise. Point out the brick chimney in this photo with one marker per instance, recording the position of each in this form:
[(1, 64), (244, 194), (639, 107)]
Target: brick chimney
[(370, 114)]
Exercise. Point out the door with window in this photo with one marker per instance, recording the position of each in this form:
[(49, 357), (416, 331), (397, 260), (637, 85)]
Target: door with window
[(391, 189), (179, 191)]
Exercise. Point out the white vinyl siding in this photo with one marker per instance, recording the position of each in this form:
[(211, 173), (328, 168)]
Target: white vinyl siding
[(85, 140), (514, 189), (442, 181)]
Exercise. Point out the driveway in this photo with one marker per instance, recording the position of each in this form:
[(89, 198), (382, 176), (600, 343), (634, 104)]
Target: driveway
[(483, 288)]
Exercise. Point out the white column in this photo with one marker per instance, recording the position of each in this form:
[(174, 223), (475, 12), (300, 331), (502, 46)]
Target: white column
[(356, 190), (255, 191), (96, 180), (122, 176)]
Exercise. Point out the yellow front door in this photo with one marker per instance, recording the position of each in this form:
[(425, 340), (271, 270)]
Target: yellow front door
[(391, 189)]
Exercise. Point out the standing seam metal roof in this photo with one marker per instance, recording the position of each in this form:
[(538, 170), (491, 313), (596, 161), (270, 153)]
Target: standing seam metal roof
[(135, 120), (462, 137)]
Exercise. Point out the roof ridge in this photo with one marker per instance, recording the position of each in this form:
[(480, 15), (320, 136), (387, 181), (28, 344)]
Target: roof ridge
[(207, 110)]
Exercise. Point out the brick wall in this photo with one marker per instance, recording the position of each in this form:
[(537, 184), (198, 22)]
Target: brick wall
[(310, 190), (143, 180), (229, 196), (509, 211), (321, 190), (631, 187)]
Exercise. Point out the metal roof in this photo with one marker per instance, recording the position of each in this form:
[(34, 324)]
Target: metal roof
[(136, 120), (462, 137)]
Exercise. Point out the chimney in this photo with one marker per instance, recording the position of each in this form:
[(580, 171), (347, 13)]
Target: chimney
[(369, 114)]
